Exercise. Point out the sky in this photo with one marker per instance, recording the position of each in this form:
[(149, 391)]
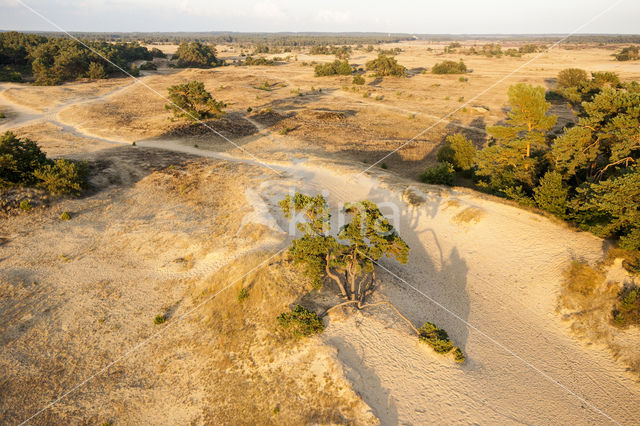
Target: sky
[(398, 16)]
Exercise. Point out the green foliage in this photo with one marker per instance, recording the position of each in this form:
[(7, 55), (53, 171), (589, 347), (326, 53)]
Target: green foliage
[(195, 55), (611, 207), (336, 67), (301, 322), (358, 79), (627, 310), (148, 66), (96, 71), (631, 53), (191, 101), (459, 151), (551, 194), (349, 259), (62, 177), (65, 216), (159, 319), (439, 340), (242, 295), (449, 67), (385, 65), (260, 60), (442, 174), (25, 205), (157, 53), (19, 158), (572, 77)]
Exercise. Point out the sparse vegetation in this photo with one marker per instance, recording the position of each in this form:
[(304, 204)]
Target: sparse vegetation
[(159, 319), (631, 53), (627, 309), (65, 216), (358, 79), (242, 295)]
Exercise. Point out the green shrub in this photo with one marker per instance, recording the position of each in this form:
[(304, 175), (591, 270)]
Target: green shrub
[(62, 177), (336, 67), (631, 53), (157, 53), (551, 194), (450, 67), (25, 205), (148, 66), (19, 158), (242, 295), (459, 151), (386, 66), (65, 216), (160, 319), (572, 77), (96, 71), (627, 310), (190, 101), (442, 174), (437, 338), (260, 60), (301, 322), (195, 55), (384, 166), (358, 79)]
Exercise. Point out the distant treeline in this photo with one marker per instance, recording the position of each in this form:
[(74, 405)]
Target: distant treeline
[(272, 39)]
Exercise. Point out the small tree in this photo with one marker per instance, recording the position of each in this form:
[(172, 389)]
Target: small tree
[(195, 55), (385, 65), (19, 158), (62, 177), (358, 79), (572, 77), (442, 174), (349, 259), (192, 102), (96, 71), (551, 194), (459, 151)]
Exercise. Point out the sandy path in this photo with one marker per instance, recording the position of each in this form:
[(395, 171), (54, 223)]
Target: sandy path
[(499, 274)]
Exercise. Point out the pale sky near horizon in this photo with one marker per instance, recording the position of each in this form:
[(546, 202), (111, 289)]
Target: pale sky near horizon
[(404, 16)]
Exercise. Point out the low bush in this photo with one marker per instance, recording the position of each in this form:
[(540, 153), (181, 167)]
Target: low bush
[(449, 67), (572, 77), (358, 79), (242, 295), (336, 67), (260, 60), (459, 151), (195, 55), (25, 205), (439, 340), (148, 66), (157, 53), (301, 322), (62, 177), (159, 319), (627, 310), (631, 53), (442, 174), (65, 216), (386, 66)]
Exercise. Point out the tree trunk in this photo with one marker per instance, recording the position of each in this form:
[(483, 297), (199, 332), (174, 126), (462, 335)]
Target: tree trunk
[(334, 277)]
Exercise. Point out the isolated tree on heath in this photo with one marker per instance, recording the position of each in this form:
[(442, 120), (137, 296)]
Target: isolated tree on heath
[(192, 102), (349, 259)]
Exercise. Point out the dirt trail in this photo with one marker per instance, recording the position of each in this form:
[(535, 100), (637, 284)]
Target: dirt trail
[(496, 269)]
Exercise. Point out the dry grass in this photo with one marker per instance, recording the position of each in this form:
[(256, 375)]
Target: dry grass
[(586, 301), (469, 215)]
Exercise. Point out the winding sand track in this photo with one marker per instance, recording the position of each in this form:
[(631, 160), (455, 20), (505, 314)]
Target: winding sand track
[(494, 271)]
